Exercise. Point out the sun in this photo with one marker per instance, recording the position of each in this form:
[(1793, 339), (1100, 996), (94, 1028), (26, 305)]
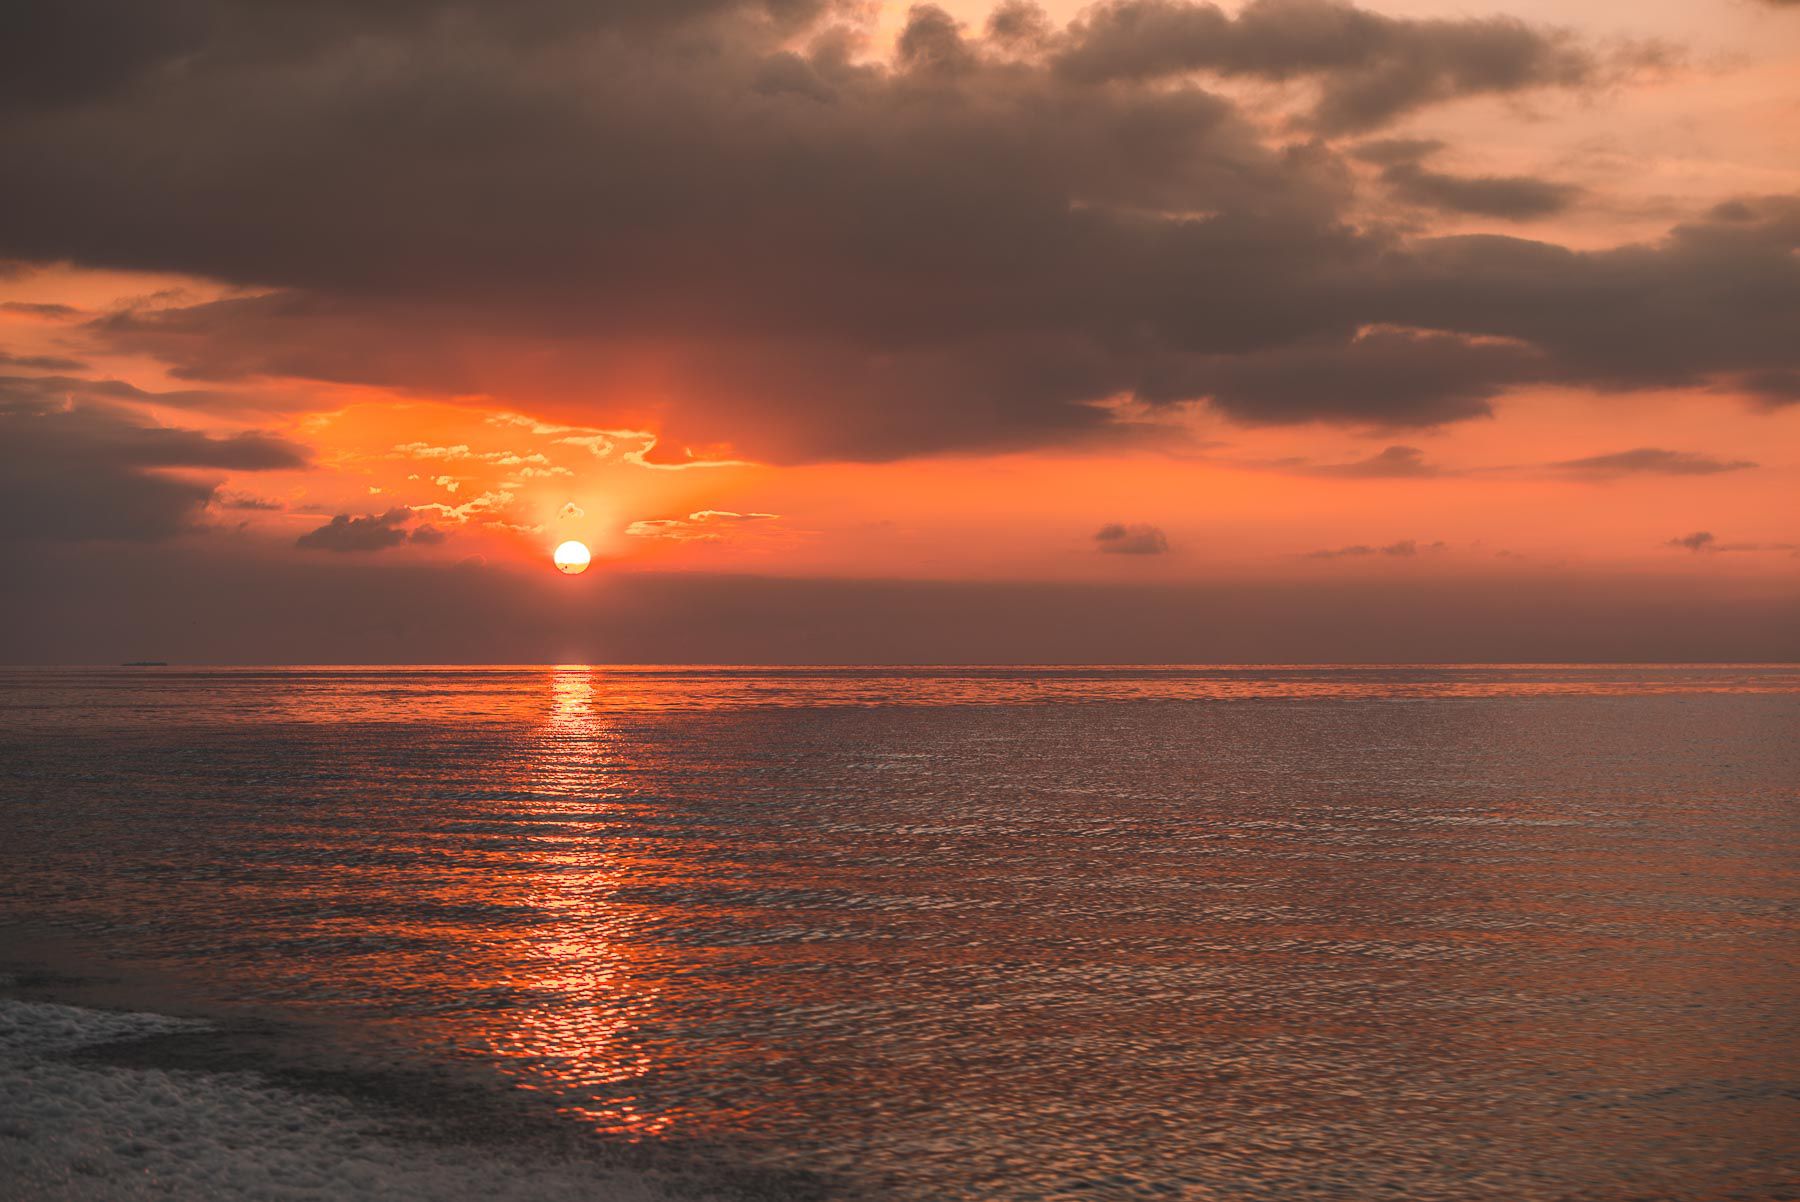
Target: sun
[(572, 558)]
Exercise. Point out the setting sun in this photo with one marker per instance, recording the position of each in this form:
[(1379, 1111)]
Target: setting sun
[(572, 558)]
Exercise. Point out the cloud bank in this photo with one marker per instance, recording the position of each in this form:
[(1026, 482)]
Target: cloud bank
[(983, 241)]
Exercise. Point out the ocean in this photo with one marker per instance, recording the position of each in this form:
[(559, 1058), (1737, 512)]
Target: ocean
[(1457, 932)]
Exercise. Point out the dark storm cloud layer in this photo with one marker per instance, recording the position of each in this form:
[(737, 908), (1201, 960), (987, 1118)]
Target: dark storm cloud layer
[(977, 245), (73, 51), (79, 471)]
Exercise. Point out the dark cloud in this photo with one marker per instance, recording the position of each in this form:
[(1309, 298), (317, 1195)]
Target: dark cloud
[(1513, 197), (932, 41), (37, 309), (980, 244), (80, 51), (76, 50), (1406, 548), (1019, 23), (1117, 538), (1704, 541), (1713, 301), (40, 362), (372, 532), (238, 500), (1775, 387), (1369, 68), (1392, 463), (1386, 152), (47, 398), (78, 471), (1652, 461), (1699, 540), (65, 390), (1385, 377)]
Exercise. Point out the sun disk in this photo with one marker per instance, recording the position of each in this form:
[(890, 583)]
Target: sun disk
[(572, 558)]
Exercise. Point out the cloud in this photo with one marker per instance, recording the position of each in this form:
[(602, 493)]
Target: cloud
[(598, 444), (571, 510), (1386, 152), (238, 500), (1652, 461), (1699, 540), (41, 362), (702, 526), (65, 390), (1116, 538), (1704, 541), (38, 309), (372, 532), (1393, 463), (1406, 548), (984, 242), (1774, 387), (1369, 68), (1382, 377), (1513, 197), (74, 470), (1709, 302), (1019, 23), (82, 51)]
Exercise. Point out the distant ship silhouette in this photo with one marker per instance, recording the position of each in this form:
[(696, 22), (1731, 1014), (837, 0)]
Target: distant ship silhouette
[(145, 663)]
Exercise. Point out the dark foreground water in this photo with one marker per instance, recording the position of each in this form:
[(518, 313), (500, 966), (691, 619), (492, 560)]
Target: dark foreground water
[(1186, 933)]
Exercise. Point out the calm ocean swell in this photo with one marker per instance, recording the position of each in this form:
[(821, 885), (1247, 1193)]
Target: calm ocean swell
[(1199, 933)]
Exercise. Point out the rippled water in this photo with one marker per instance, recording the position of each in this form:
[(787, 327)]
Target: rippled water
[(1008, 933)]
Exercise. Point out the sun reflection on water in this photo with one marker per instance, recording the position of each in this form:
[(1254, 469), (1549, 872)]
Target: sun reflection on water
[(579, 1038)]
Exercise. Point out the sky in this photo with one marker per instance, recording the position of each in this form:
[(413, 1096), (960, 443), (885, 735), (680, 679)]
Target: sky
[(857, 332)]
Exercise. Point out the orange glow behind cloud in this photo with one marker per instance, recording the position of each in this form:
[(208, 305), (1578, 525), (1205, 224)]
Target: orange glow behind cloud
[(1483, 497)]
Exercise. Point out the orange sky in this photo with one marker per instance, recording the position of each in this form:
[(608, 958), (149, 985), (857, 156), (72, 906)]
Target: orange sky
[(1233, 500)]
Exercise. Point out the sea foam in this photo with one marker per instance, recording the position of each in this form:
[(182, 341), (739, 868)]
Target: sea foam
[(75, 1130)]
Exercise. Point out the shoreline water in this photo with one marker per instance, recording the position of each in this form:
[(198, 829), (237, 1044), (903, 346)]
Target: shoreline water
[(118, 1081)]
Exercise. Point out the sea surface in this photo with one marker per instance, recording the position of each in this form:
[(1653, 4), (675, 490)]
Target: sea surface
[(926, 935)]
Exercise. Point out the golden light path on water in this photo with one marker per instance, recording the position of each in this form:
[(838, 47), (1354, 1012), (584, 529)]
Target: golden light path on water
[(582, 1043)]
